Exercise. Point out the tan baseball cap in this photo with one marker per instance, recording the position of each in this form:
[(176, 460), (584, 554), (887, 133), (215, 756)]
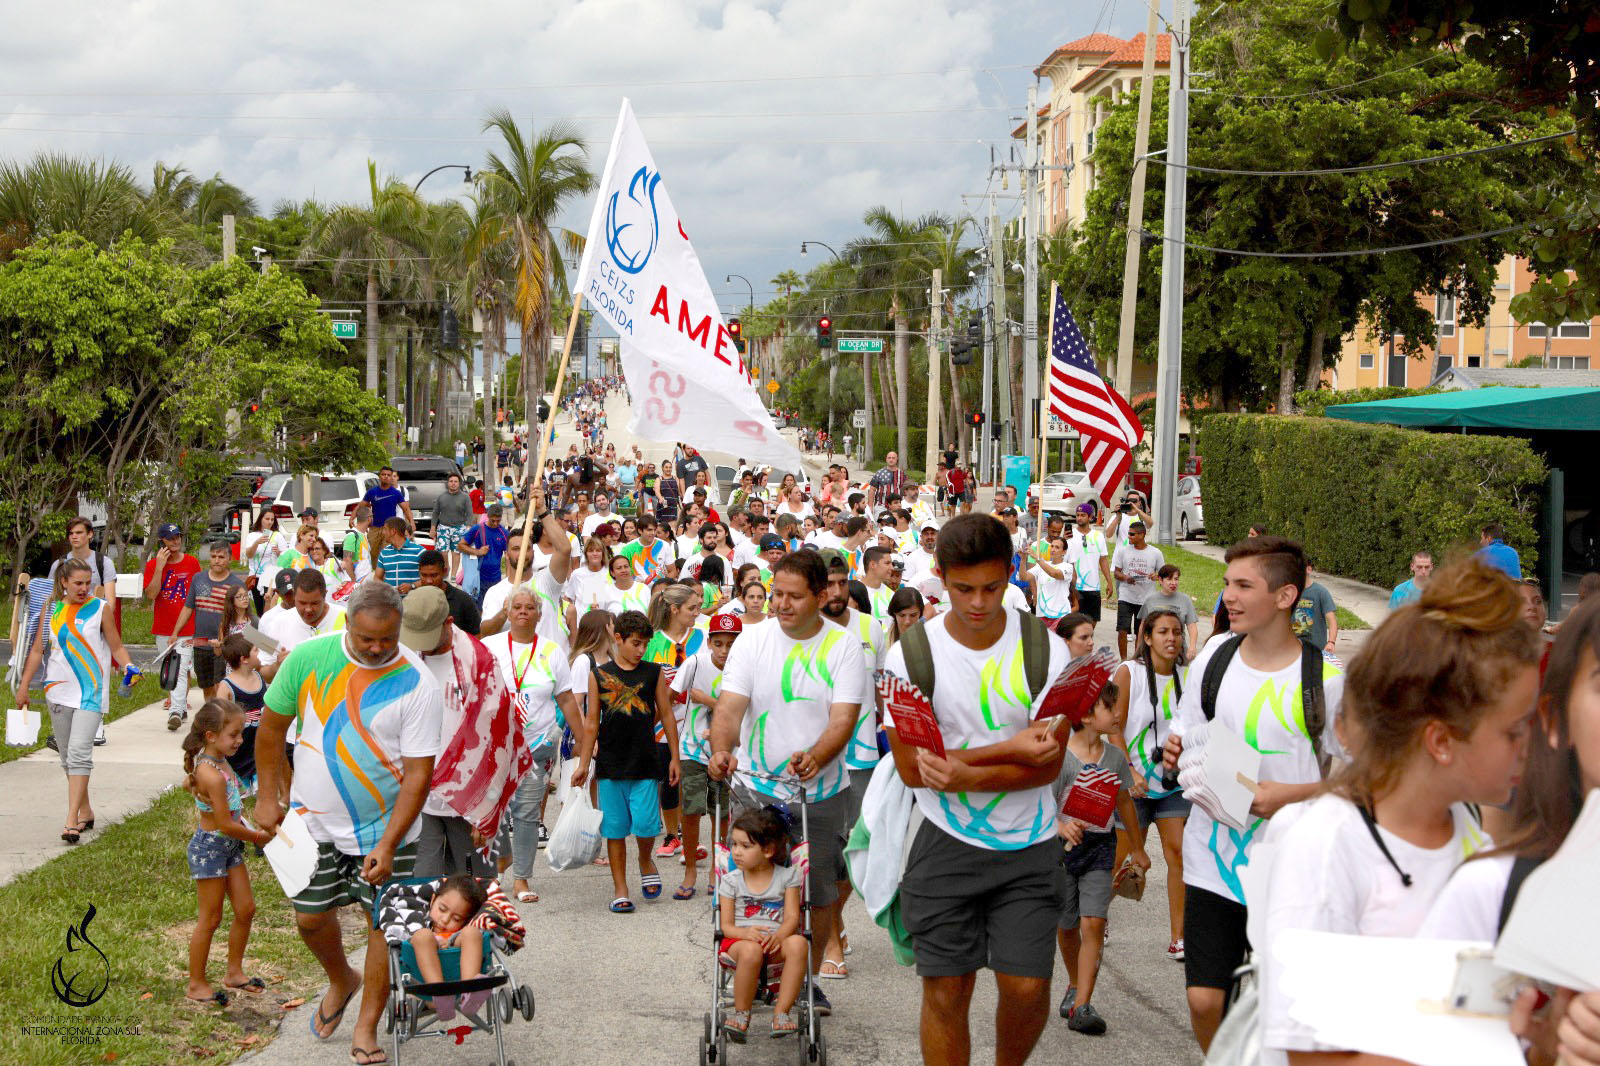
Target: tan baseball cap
[(422, 618)]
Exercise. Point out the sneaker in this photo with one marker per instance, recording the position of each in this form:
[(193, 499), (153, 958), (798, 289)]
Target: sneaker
[(544, 834), (100, 735), (820, 1003), (1086, 1020), (1067, 1001), (1175, 950), (669, 847), (174, 720), (51, 743)]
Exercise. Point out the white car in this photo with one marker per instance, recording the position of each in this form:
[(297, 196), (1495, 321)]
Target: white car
[(1063, 492), (1191, 517), (336, 497)]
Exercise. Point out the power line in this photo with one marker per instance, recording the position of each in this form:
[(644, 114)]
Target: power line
[(674, 115), (1368, 167), (1358, 251), (346, 139)]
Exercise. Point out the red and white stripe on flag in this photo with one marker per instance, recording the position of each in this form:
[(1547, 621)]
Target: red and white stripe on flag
[(1106, 426)]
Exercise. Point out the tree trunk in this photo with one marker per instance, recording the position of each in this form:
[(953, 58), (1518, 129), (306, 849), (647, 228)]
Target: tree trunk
[(1018, 414), (440, 384), (1319, 338), (902, 373), (392, 385), (866, 400), (1286, 361), (372, 332)]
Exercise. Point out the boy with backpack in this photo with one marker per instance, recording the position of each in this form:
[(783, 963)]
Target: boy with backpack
[(1280, 694), (983, 878)]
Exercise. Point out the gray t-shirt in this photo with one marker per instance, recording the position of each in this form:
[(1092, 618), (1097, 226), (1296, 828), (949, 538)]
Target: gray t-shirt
[(1111, 759), (763, 910), (1140, 564), (206, 599), (1311, 615), (1178, 601), (106, 576), (452, 509)]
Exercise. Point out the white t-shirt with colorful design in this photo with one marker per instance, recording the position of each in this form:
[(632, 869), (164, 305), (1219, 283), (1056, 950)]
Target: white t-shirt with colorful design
[(792, 686), (1142, 731), (357, 726), (1053, 595), (862, 751), (982, 698), (535, 674), (1084, 552), (1268, 711), (694, 730)]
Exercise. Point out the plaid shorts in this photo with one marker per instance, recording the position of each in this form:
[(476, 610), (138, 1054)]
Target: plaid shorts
[(337, 879)]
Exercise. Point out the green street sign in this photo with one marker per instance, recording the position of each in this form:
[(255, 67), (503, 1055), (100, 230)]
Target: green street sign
[(345, 331), (871, 345)]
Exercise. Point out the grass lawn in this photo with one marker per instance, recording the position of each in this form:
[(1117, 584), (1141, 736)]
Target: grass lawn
[(141, 696), (1202, 580), (137, 616), (137, 878)]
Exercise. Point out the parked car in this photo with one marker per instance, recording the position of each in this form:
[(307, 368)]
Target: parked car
[(1063, 492), (334, 495), (423, 477), (1191, 517)]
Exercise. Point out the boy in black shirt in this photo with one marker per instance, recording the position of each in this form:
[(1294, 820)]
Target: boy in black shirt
[(627, 697)]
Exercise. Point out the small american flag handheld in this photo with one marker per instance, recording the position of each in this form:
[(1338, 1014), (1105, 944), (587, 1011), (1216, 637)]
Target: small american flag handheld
[(914, 720), (1092, 797)]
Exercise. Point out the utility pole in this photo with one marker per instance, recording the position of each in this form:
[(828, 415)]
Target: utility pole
[(1030, 279), (1002, 340), (985, 431), (1169, 367), (266, 261), (931, 445), (408, 384), (1130, 261), (228, 238), (866, 405)]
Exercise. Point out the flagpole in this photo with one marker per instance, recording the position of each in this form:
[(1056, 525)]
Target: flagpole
[(1044, 398), (545, 437)]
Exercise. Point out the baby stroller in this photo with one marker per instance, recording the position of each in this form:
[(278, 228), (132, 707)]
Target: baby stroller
[(402, 910), (714, 1038)]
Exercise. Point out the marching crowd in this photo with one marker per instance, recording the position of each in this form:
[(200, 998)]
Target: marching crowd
[(647, 638)]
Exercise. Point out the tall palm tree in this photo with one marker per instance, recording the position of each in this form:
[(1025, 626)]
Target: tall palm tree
[(956, 263), (54, 193), (528, 181), (485, 267), (893, 258), (382, 239)]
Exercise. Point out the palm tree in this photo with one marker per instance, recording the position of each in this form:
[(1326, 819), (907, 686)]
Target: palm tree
[(893, 258), (527, 183), (381, 238), (56, 193), (175, 192), (956, 263)]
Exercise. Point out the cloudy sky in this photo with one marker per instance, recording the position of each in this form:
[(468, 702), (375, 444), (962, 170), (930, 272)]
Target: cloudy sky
[(773, 122)]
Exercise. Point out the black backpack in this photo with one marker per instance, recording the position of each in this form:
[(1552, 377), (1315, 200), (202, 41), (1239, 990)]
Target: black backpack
[(1313, 701)]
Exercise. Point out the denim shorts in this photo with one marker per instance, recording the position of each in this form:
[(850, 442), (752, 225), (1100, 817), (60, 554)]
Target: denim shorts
[(212, 854)]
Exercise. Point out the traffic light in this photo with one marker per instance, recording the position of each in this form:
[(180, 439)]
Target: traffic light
[(449, 327), (824, 332), (960, 352), (975, 418), (736, 331), (975, 329), (544, 411)]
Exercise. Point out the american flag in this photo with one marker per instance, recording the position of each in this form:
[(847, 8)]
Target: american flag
[(1093, 796), (1080, 397)]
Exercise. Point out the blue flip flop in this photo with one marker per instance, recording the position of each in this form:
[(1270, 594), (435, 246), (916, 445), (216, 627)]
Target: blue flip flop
[(334, 1019), (650, 886), (684, 892), (622, 905)]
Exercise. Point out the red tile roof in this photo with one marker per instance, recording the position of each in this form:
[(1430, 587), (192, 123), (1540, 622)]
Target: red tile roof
[(1096, 44), (1131, 54)]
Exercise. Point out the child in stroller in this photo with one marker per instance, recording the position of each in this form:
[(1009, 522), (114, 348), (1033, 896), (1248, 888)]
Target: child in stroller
[(455, 904), (759, 910)]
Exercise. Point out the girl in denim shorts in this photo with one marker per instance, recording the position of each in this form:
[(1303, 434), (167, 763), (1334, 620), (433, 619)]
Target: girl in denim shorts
[(216, 851)]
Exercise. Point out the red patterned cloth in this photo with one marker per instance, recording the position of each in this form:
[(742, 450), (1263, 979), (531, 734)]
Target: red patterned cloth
[(480, 766)]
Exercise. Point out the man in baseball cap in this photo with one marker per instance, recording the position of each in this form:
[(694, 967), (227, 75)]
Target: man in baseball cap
[(423, 620)]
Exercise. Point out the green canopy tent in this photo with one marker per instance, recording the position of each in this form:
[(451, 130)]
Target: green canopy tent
[(1495, 407)]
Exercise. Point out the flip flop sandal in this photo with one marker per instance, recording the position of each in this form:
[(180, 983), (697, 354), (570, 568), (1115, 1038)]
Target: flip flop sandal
[(840, 970), (219, 998), (333, 1020), (252, 985), (844, 942), (684, 892), (650, 886), (368, 1056), (622, 905), (527, 896)]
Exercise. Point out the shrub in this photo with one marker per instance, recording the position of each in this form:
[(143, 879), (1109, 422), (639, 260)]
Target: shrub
[(886, 439), (1362, 498), (1315, 401)]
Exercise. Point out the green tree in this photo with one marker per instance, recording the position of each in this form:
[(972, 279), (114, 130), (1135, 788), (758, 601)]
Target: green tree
[(54, 193), (527, 181)]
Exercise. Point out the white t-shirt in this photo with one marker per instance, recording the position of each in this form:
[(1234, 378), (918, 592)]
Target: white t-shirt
[(264, 563), (879, 598), (1256, 706), (982, 698), (289, 629), (919, 564), (535, 674), (862, 751), (551, 625), (1084, 552), (1143, 734), (792, 686), (443, 669), (1054, 594), (1324, 872), (591, 589), (694, 723), (1469, 906), (595, 520), (1141, 566)]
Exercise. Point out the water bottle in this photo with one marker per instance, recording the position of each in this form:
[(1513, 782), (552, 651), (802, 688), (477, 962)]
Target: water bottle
[(130, 673)]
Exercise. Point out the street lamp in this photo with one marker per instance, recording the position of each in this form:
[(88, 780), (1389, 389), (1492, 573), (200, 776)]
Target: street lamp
[(829, 247), (833, 364), (466, 173), (752, 304)]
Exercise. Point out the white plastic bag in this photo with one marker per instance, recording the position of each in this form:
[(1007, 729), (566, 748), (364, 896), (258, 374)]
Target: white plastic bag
[(575, 842), (565, 790), (22, 726)]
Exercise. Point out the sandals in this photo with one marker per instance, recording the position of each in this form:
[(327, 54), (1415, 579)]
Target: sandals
[(684, 892), (650, 886), (219, 998), (783, 1024), (252, 985), (840, 970), (70, 834), (737, 1025), (622, 905), (368, 1056), (527, 895), (331, 1020)]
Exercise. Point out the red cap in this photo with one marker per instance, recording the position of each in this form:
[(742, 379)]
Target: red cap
[(726, 623)]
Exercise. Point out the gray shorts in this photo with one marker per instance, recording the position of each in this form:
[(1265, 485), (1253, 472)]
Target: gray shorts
[(825, 820), (1084, 896), (444, 847), (859, 780), (1172, 805), (968, 907)]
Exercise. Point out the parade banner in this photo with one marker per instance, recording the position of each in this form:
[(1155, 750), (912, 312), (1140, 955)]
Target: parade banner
[(685, 375)]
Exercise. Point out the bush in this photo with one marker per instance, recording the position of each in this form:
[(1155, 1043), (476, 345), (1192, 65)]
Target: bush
[(1362, 498), (1315, 401), (886, 439)]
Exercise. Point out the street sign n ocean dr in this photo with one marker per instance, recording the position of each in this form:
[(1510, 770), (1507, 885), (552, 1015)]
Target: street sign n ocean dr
[(867, 345)]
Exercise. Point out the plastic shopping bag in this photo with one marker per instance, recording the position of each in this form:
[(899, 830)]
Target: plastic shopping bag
[(22, 726), (471, 577), (575, 842)]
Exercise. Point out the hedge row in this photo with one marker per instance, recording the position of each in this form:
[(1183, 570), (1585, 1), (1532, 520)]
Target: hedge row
[(1362, 498), (1316, 401)]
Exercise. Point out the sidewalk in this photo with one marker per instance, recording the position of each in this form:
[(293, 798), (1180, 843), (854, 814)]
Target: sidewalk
[(138, 762), (1367, 602)]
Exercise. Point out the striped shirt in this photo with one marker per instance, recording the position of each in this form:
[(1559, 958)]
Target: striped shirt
[(399, 565)]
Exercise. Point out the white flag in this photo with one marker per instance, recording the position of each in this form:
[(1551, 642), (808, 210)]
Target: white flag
[(639, 271)]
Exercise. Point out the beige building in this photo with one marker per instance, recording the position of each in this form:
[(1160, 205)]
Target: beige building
[(1086, 77), (1365, 360)]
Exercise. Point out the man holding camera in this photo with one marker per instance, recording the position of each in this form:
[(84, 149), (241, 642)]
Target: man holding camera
[(1134, 508)]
